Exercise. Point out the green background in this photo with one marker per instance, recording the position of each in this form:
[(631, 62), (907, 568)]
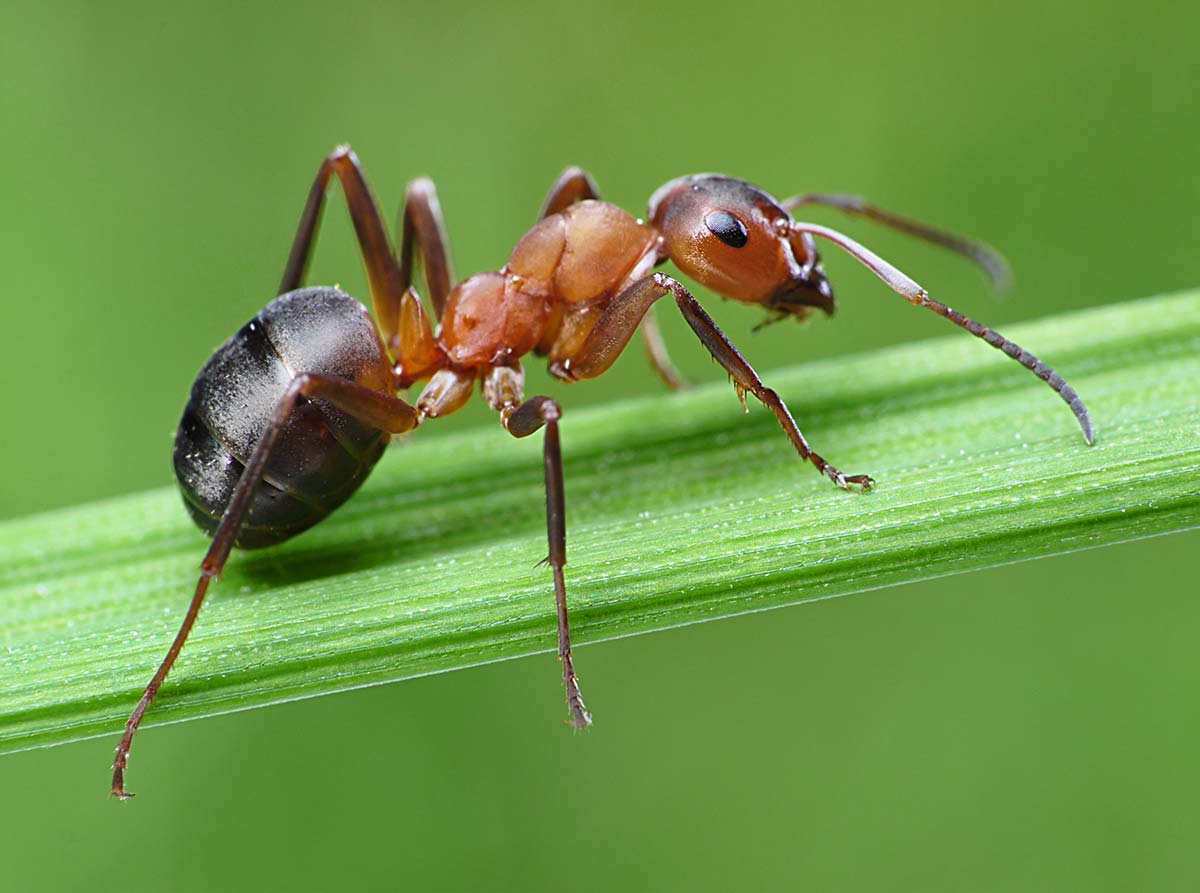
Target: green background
[(1029, 728)]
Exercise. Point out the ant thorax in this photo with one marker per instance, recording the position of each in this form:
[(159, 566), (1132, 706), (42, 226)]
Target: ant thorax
[(558, 281)]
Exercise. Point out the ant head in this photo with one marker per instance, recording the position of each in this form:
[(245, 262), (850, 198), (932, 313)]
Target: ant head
[(735, 239)]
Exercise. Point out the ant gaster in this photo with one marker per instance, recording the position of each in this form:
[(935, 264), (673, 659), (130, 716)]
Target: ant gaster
[(289, 416)]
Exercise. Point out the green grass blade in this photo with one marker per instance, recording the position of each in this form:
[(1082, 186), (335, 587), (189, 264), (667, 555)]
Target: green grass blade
[(679, 510)]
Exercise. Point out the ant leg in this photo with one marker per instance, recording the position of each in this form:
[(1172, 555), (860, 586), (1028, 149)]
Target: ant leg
[(656, 353), (988, 258), (384, 411), (383, 274), (575, 184), (422, 223), (746, 379), (503, 387), (622, 316), (422, 226)]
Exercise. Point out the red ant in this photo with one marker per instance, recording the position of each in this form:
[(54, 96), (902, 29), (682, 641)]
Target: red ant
[(288, 417)]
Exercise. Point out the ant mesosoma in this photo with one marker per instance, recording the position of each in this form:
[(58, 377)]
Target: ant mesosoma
[(288, 417)]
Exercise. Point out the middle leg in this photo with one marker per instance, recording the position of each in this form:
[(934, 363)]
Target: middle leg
[(503, 386)]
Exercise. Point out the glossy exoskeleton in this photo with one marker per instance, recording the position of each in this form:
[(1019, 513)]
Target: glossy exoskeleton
[(289, 416), (322, 455)]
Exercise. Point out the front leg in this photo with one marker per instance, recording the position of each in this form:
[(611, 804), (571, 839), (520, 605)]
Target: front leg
[(610, 335), (746, 379)]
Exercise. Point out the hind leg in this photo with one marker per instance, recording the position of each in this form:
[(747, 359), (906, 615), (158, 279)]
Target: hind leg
[(380, 410)]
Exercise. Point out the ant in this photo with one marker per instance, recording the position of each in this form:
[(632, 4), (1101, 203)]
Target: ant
[(288, 417)]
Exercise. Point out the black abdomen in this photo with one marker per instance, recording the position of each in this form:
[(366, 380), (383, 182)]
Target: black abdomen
[(321, 456)]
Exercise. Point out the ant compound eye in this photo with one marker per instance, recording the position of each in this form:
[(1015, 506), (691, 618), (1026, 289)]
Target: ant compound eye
[(727, 228)]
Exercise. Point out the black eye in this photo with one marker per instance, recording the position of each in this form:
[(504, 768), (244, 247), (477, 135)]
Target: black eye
[(727, 228)]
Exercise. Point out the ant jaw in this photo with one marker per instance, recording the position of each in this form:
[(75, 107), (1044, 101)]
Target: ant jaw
[(799, 296)]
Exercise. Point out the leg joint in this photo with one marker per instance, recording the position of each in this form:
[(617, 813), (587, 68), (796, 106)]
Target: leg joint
[(549, 409), (531, 415)]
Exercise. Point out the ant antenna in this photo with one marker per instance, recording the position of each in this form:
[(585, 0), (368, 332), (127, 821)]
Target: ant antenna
[(990, 260), (915, 294)]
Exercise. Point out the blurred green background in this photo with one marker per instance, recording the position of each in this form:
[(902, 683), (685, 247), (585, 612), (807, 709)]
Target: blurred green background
[(1030, 728)]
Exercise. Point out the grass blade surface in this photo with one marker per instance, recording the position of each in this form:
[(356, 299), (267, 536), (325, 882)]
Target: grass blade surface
[(680, 509)]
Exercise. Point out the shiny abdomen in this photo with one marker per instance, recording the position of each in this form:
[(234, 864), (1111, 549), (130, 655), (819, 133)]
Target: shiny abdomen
[(322, 455)]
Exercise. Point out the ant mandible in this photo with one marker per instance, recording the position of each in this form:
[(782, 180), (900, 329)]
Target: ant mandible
[(288, 417)]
